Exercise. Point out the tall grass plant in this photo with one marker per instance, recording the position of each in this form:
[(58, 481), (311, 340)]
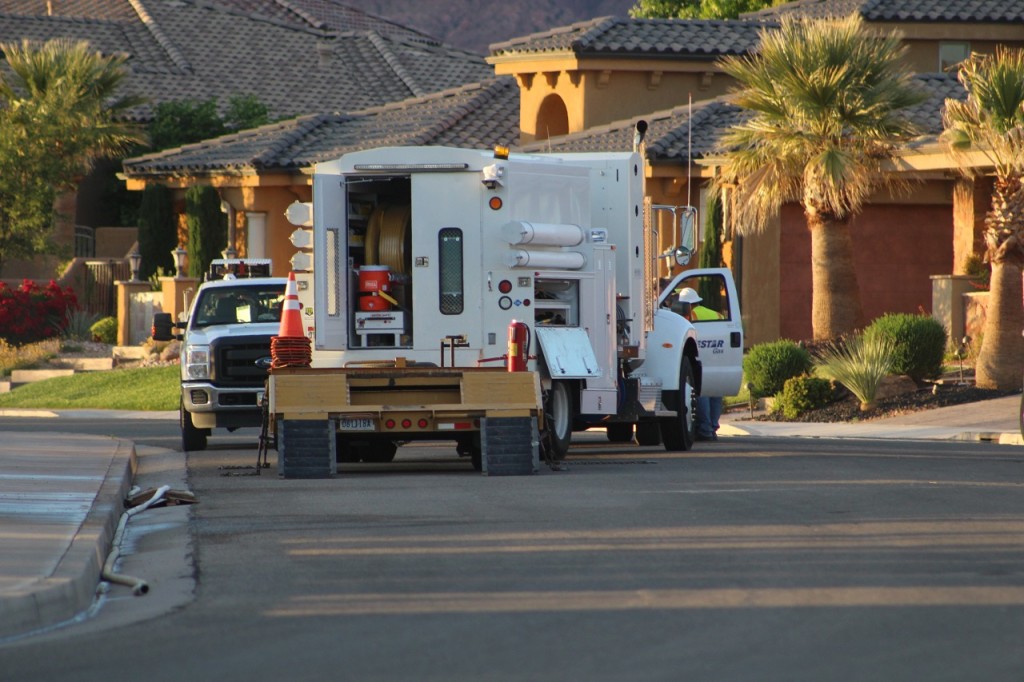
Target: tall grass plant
[(859, 363)]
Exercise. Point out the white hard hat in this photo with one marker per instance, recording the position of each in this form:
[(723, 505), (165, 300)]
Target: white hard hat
[(688, 295)]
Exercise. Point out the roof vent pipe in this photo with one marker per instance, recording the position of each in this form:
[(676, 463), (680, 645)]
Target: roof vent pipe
[(638, 135), (324, 52)]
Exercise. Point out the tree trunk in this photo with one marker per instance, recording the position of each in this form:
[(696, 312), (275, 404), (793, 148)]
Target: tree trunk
[(1001, 360), (835, 295)]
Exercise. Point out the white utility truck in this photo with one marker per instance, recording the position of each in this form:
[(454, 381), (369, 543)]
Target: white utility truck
[(448, 289)]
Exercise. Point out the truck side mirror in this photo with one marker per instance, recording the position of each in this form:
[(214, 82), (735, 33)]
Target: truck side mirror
[(682, 255), (162, 327)]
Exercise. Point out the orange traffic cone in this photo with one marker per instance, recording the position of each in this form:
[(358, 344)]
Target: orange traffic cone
[(291, 320), (290, 348)]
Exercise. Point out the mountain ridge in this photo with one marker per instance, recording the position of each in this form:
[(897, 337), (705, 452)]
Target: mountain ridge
[(473, 26)]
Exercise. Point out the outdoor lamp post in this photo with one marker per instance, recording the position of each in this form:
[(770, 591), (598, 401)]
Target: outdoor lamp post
[(180, 256), (135, 262)]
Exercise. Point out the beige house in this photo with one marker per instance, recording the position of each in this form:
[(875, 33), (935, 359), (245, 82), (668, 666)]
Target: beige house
[(582, 87)]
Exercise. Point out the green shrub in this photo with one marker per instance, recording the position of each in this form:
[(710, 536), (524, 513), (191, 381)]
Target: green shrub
[(859, 364), (803, 393), (768, 365), (919, 343), (105, 330)]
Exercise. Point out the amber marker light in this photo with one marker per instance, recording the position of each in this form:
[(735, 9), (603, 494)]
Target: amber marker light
[(495, 203)]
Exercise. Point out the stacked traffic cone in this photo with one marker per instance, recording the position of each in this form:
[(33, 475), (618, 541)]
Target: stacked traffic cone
[(290, 348)]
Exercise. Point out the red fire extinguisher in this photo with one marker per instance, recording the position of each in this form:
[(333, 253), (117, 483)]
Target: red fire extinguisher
[(518, 346)]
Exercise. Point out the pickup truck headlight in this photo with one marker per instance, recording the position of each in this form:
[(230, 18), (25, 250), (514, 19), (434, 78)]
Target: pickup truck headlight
[(197, 362)]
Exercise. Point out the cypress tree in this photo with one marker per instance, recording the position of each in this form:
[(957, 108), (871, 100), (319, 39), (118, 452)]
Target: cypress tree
[(207, 228), (711, 250), (158, 235)]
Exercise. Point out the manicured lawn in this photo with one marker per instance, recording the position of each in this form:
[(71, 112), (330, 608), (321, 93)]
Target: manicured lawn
[(137, 388)]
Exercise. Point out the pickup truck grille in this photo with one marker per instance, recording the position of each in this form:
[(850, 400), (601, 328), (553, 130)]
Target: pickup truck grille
[(234, 361)]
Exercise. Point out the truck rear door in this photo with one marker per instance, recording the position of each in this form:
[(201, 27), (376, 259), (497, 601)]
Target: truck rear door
[(719, 326)]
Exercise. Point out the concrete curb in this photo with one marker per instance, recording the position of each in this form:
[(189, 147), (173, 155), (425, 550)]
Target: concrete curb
[(71, 587), (790, 430)]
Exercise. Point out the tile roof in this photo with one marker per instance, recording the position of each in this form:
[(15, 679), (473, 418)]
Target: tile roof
[(321, 14), (326, 14), (640, 37), (479, 115), (939, 11), (190, 49), (672, 135)]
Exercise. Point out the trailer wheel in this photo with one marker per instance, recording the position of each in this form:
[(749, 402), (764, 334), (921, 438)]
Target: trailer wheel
[(679, 432), (619, 432), (192, 438), (558, 416), (470, 446)]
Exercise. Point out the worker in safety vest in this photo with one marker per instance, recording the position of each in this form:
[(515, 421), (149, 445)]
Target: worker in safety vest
[(709, 408), (692, 310)]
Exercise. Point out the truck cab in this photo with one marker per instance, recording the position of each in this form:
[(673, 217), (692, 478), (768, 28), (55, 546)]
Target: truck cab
[(719, 338)]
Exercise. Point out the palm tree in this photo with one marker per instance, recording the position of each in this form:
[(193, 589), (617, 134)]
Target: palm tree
[(827, 101), (991, 122), (58, 113), (70, 85)]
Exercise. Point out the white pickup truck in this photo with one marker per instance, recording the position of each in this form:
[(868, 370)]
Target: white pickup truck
[(225, 348)]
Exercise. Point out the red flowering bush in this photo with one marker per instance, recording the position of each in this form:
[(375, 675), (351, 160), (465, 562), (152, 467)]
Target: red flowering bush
[(32, 313)]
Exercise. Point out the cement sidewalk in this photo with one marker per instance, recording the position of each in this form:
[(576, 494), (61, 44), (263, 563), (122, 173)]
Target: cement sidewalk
[(61, 497), (62, 494)]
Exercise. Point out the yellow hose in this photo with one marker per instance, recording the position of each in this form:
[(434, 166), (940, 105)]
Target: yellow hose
[(386, 236)]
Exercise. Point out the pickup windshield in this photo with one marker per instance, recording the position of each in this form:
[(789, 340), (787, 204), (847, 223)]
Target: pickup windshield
[(239, 305)]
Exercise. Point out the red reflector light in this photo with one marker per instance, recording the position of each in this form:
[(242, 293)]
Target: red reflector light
[(390, 423), (422, 423), (504, 286), (406, 423)]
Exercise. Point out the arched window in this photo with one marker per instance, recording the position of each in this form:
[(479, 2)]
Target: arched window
[(552, 118)]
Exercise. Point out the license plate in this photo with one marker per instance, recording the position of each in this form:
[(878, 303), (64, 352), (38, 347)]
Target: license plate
[(356, 425)]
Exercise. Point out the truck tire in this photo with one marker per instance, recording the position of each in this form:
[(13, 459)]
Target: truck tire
[(679, 432), (648, 433), (192, 438), (558, 416), (619, 432)]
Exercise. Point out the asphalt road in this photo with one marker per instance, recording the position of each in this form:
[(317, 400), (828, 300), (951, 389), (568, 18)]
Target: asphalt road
[(747, 559)]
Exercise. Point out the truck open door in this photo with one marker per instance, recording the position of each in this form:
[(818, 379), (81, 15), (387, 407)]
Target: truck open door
[(719, 332)]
